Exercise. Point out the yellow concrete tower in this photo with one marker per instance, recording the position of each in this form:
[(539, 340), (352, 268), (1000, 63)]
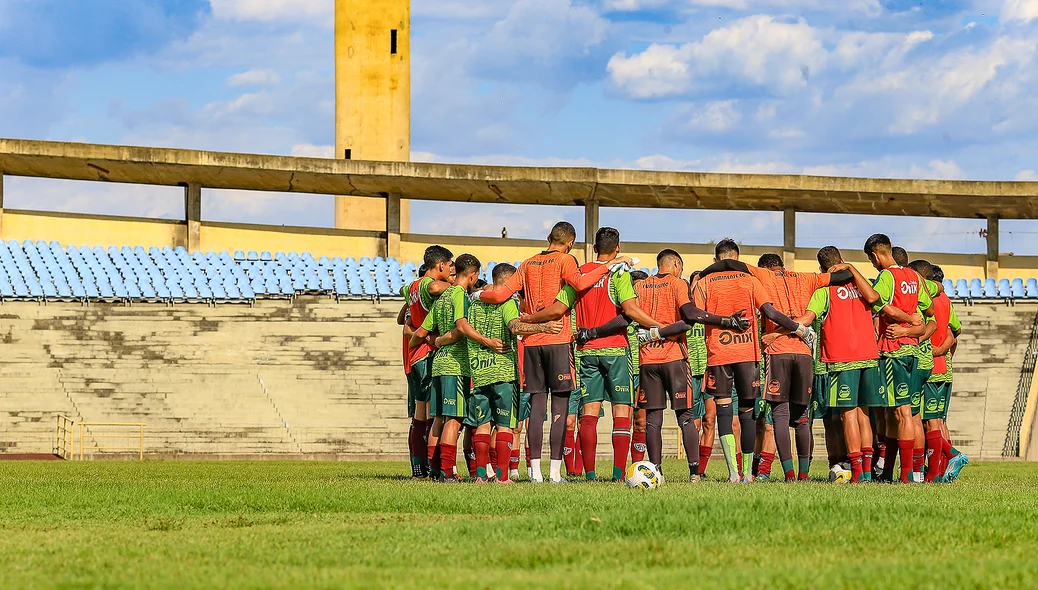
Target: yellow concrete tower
[(372, 98)]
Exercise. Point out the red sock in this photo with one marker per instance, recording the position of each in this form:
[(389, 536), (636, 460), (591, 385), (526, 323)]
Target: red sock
[(946, 450), (738, 461), (414, 444), (588, 442), (918, 459), (638, 447), (866, 459), (934, 456), (569, 453), (704, 457), (621, 445), (513, 459), (905, 449), (481, 451), (504, 455), (766, 460), (856, 466), (434, 458), (448, 459), (493, 452)]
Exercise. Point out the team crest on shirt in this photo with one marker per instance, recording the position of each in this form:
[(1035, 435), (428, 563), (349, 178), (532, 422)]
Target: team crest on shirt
[(917, 398), (931, 405), (902, 390), (774, 387), (845, 392)]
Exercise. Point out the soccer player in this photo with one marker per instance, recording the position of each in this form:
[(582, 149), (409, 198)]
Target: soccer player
[(734, 358), (899, 298), (438, 265), (451, 371), (940, 383), (849, 350), (924, 366), (604, 362), (548, 359), (638, 433), (495, 396)]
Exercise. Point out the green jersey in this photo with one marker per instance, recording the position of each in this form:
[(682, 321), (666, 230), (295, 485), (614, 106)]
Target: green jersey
[(632, 344), (488, 366), (452, 359), (925, 352), (696, 340), (819, 305)]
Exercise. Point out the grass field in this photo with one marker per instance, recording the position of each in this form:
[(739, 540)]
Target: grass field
[(256, 524)]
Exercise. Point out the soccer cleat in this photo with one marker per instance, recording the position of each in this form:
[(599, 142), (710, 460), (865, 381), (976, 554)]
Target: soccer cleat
[(694, 478), (451, 479), (747, 479), (764, 477), (559, 481), (734, 479), (583, 336), (955, 467), (513, 474), (536, 480), (480, 480)]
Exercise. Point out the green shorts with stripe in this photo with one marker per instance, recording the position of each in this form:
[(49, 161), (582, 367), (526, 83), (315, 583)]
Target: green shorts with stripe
[(606, 378), (449, 395), (936, 397), (854, 388), (698, 398), (524, 406), (819, 395), (897, 379), (918, 382), (497, 403), (419, 384)]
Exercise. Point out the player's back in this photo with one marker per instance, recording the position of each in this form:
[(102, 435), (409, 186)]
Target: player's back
[(790, 292), (491, 321), (599, 305), (542, 276), (661, 296), (905, 297), (725, 294)]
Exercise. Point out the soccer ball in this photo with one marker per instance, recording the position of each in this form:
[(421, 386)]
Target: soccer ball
[(644, 475), (839, 474)]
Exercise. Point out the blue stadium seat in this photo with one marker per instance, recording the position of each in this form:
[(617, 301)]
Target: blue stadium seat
[(990, 289), (1005, 290), (252, 255), (1031, 288), (6, 289), (976, 289), (265, 256)]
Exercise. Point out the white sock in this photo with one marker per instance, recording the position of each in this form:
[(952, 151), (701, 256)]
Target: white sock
[(491, 470), (555, 472), (513, 474), (535, 470)]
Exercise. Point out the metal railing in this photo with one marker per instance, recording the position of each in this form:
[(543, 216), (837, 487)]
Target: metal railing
[(1011, 448), (100, 438), (65, 444)]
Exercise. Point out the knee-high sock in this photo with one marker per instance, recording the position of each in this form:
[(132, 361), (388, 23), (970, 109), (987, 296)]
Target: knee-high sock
[(415, 447), (481, 448), (559, 413), (749, 434), (654, 435), (535, 429), (856, 466), (725, 432), (905, 448), (689, 439), (638, 446), (621, 445), (504, 455), (448, 458), (866, 463), (589, 443), (783, 444), (704, 457), (798, 420), (569, 451), (492, 466), (890, 457), (934, 443), (766, 460), (435, 461), (514, 456)]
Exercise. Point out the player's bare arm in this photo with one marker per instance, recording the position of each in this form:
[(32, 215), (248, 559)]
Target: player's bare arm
[(551, 313), (635, 313), (521, 328), (922, 332), (584, 281), (436, 288), (401, 316), (944, 347), (418, 336)]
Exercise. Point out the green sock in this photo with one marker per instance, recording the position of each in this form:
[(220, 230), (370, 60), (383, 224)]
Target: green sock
[(787, 466), (955, 451), (866, 476), (804, 466), (481, 471), (591, 476), (728, 448), (747, 464), (618, 473)]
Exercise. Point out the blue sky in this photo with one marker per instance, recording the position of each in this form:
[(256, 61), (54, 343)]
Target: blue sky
[(895, 88)]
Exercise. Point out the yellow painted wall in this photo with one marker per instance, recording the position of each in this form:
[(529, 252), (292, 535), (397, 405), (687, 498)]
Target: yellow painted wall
[(230, 237), (372, 97), (92, 230)]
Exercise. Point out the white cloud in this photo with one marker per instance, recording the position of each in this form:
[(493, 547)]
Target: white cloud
[(263, 77), (715, 117), (309, 150), (1019, 10), (1027, 175), (316, 12)]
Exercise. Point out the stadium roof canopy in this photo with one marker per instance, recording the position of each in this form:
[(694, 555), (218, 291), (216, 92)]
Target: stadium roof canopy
[(520, 185)]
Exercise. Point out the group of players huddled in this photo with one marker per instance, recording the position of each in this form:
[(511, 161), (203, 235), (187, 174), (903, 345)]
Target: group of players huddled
[(737, 348)]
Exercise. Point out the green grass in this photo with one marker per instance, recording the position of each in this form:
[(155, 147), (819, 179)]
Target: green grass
[(256, 524)]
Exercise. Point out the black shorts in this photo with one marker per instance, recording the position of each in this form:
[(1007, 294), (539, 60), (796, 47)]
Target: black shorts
[(790, 378), (658, 382), (549, 368), (744, 376)]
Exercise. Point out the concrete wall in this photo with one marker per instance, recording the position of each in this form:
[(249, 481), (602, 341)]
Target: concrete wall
[(316, 378)]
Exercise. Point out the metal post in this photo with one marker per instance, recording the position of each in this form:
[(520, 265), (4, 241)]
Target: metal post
[(140, 454), (392, 244), (992, 261), (1, 203), (590, 229), (789, 238), (193, 216)]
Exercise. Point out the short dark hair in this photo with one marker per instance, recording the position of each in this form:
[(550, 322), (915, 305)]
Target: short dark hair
[(479, 284), (924, 268), (900, 255), (829, 257), (435, 255), (938, 273), (665, 255), (725, 246), (607, 240), (502, 270), (638, 275), (562, 232), (876, 242), (424, 268), (466, 263), (770, 260)]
